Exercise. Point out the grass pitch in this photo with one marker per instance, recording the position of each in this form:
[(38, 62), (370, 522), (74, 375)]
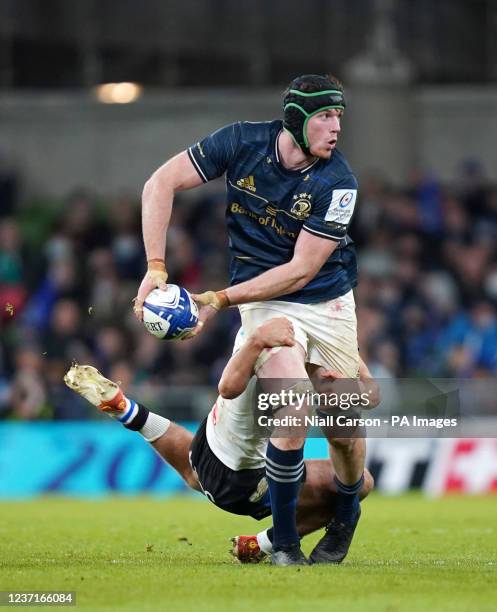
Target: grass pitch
[(409, 553)]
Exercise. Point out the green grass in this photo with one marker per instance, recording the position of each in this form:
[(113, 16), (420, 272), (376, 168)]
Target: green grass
[(409, 554)]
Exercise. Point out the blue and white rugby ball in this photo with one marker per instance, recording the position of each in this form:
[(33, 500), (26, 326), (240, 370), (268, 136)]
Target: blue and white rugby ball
[(170, 314)]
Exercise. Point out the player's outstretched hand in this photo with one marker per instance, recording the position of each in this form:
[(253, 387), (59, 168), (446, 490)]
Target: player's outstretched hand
[(156, 277), (276, 332)]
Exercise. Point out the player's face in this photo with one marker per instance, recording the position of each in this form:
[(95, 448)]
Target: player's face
[(322, 132)]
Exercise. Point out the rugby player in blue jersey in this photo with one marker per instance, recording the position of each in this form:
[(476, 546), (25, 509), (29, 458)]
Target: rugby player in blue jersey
[(290, 198)]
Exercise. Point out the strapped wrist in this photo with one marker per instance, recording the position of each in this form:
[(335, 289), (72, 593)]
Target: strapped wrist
[(223, 300), (156, 264)]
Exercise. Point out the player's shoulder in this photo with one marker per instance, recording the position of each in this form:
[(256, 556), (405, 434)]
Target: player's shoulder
[(259, 131), (337, 170)]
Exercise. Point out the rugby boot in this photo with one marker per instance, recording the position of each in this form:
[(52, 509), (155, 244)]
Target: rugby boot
[(98, 390), (246, 549), (290, 555), (334, 545)]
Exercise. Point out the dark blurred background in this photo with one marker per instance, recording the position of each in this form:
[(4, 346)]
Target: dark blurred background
[(56, 44), (420, 128)]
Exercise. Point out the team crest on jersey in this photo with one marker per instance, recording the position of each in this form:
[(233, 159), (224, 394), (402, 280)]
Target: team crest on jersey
[(247, 183), (301, 208)]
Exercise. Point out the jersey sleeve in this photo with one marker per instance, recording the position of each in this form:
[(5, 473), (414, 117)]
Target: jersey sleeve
[(333, 210), (212, 155)]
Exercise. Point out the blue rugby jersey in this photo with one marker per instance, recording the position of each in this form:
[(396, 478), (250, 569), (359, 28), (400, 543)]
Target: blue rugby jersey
[(268, 205)]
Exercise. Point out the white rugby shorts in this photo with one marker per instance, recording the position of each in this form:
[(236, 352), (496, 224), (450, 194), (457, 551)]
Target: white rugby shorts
[(326, 330)]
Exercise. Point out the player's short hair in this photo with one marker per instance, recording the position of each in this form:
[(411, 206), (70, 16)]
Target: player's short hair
[(309, 83)]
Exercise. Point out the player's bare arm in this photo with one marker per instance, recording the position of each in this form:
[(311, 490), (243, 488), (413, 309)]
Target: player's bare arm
[(311, 252), (177, 174), (240, 368)]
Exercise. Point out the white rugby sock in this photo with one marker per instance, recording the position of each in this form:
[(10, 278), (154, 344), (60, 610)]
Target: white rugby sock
[(155, 427), (264, 542)]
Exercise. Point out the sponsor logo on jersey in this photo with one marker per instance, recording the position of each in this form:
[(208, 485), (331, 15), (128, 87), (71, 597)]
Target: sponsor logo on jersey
[(267, 221), (247, 183)]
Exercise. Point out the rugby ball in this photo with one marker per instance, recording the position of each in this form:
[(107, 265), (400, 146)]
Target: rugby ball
[(170, 314)]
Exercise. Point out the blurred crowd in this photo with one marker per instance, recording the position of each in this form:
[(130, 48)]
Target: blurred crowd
[(427, 295)]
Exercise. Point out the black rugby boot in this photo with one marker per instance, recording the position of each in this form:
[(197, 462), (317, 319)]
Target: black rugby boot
[(334, 545)]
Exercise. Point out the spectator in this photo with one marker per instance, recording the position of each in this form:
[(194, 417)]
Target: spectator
[(426, 300)]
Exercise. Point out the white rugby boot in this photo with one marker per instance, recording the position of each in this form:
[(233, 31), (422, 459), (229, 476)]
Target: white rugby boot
[(98, 390)]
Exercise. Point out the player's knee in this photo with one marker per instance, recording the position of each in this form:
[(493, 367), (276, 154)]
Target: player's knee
[(288, 443)]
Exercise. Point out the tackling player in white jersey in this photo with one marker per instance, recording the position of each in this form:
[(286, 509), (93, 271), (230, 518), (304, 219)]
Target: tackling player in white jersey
[(225, 459)]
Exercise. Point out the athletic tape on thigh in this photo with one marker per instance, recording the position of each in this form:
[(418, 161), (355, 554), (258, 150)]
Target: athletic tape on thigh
[(265, 356)]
